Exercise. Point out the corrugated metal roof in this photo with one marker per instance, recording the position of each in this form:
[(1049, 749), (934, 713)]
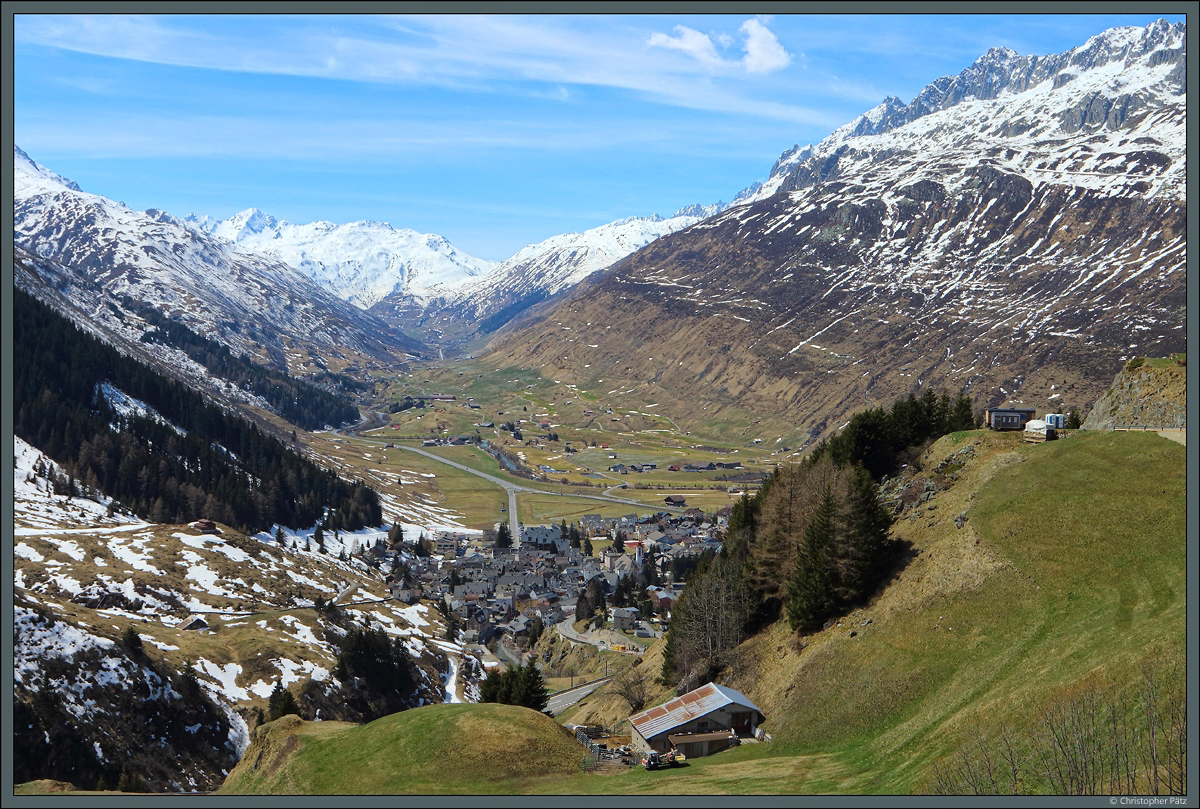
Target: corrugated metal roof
[(692, 705)]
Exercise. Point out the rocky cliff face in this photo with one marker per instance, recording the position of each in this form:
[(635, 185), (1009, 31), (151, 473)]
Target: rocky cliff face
[(1142, 395)]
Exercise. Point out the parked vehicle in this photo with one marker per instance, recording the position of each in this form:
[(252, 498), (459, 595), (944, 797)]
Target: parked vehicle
[(653, 759)]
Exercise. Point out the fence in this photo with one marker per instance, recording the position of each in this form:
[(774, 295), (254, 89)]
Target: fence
[(597, 757), (1146, 428)]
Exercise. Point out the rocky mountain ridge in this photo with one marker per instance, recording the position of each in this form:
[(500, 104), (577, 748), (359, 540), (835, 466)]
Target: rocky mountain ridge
[(1111, 96), (1143, 395)]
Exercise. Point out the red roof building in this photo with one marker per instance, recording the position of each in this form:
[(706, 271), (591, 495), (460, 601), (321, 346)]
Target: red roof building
[(701, 722)]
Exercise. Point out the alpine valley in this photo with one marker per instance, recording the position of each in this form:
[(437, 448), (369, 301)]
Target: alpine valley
[(223, 510)]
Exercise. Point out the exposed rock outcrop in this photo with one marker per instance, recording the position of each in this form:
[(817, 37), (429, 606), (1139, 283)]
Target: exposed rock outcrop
[(1142, 396)]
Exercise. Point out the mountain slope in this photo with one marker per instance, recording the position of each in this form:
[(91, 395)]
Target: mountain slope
[(482, 304), (94, 705), (360, 262), (99, 250), (1020, 238)]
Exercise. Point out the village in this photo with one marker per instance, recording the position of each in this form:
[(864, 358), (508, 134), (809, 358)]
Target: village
[(497, 593)]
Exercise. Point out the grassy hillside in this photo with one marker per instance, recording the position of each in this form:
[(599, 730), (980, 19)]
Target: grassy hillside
[(1069, 572), (438, 749), (1067, 576)]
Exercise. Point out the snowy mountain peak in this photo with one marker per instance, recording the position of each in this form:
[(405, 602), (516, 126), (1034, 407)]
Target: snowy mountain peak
[(1110, 84), (361, 262), (996, 56), (251, 220), (27, 173)]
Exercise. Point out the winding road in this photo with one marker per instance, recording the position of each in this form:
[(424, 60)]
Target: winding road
[(513, 488)]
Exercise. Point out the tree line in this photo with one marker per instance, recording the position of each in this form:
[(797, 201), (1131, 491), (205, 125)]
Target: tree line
[(214, 465), (812, 543), (881, 440)]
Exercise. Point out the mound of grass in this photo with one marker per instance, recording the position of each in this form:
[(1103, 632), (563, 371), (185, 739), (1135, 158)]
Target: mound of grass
[(438, 749)]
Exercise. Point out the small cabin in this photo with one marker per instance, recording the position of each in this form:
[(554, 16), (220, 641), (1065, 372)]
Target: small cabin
[(1008, 418)]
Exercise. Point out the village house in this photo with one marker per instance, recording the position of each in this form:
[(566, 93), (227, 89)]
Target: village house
[(624, 619), (699, 723)]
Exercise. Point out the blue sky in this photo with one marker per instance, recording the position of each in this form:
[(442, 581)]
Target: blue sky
[(493, 131)]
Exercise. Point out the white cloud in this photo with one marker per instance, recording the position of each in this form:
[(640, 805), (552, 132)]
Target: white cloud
[(478, 53), (691, 42), (764, 54)]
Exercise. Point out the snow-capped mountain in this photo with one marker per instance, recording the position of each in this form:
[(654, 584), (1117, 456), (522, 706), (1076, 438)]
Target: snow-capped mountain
[(84, 253), (361, 262), (536, 272), (1119, 85), (1018, 230)]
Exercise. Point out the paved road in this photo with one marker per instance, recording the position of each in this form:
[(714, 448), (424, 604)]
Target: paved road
[(513, 488), (565, 699), (565, 629)]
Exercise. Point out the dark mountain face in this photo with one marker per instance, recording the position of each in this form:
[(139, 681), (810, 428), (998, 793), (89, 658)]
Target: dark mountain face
[(994, 244), (83, 253)]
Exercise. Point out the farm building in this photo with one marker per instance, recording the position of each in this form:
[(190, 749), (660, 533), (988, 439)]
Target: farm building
[(1008, 418), (674, 500), (701, 722)]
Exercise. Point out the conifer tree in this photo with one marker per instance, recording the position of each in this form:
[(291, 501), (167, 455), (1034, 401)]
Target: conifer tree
[(533, 691), (963, 417), (809, 595), (859, 552), (281, 703)]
